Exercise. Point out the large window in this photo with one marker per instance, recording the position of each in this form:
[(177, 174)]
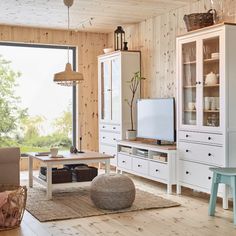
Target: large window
[(35, 112)]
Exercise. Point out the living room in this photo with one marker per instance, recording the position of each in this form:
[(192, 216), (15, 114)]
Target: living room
[(157, 36)]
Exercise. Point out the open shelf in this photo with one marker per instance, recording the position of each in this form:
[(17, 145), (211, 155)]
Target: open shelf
[(211, 60), (211, 86), (189, 62), (211, 111), (189, 110), (125, 149), (190, 86)]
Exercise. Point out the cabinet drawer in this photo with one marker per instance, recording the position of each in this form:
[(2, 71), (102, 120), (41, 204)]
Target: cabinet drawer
[(158, 170), (109, 137), (195, 174), (201, 137), (109, 127), (124, 161), (109, 150), (140, 166), (106, 149), (212, 155)]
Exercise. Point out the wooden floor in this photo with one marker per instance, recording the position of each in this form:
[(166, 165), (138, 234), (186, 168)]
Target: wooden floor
[(190, 218)]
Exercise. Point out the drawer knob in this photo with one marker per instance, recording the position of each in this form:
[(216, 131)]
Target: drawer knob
[(187, 172), (123, 161), (114, 139), (103, 126), (209, 177), (186, 150), (103, 152), (114, 127), (139, 165), (186, 135), (209, 154), (157, 170), (103, 137), (209, 138)]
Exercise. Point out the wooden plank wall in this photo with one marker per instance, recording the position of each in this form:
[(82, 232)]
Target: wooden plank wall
[(155, 38), (89, 45), (157, 44)]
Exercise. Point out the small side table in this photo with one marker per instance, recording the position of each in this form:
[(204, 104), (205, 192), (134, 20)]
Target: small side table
[(225, 176)]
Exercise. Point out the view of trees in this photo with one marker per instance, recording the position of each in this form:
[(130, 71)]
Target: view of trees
[(18, 128)]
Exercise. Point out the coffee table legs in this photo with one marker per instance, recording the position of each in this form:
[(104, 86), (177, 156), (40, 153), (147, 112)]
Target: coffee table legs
[(49, 181), (107, 166), (30, 162)]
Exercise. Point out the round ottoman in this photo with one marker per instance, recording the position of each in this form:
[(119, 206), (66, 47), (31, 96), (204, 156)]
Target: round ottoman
[(112, 191)]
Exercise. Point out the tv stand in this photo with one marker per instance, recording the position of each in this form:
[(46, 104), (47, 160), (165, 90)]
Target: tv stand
[(152, 161)]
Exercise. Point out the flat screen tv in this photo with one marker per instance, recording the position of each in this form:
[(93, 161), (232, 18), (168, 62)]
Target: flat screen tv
[(156, 119)]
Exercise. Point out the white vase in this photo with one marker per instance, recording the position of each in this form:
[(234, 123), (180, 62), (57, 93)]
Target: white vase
[(131, 134)]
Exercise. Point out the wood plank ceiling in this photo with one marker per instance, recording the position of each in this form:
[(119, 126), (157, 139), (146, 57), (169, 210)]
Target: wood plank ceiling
[(85, 15)]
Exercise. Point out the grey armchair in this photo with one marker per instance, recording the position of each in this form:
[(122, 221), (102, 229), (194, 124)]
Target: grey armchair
[(10, 165)]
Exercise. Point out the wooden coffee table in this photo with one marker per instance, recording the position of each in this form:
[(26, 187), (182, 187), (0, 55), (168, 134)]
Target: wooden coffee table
[(68, 158)]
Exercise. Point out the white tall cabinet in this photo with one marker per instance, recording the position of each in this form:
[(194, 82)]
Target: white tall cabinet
[(206, 127), (114, 71)]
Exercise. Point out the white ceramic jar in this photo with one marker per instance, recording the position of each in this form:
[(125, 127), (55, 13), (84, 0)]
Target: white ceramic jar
[(211, 79)]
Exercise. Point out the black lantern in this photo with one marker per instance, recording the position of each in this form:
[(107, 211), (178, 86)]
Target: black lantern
[(119, 38)]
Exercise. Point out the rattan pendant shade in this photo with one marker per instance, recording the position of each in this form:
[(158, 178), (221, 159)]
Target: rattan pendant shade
[(68, 77)]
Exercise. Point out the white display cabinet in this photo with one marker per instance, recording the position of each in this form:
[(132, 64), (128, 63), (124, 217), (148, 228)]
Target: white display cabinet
[(114, 71), (206, 112)]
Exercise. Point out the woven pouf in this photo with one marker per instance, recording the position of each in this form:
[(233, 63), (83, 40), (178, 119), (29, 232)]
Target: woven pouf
[(112, 191)]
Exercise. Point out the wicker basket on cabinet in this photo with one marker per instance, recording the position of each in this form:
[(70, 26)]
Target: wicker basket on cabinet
[(196, 21)]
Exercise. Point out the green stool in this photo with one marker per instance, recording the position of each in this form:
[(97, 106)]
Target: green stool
[(226, 176)]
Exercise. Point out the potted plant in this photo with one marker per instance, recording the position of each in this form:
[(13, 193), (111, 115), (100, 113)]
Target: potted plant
[(133, 85)]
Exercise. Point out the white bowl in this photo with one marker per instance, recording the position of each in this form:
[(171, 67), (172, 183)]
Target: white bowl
[(107, 50)]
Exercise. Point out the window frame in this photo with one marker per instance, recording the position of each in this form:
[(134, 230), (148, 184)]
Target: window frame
[(74, 95)]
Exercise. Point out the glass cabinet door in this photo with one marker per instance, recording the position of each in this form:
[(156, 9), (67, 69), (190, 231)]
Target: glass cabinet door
[(105, 90), (211, 82), (189, 116), (115, 80)]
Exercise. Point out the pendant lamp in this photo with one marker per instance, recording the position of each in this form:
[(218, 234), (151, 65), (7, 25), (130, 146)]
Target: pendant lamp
[(68, 77)]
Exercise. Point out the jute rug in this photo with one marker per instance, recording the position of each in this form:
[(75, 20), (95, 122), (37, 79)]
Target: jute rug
[(76, 203)]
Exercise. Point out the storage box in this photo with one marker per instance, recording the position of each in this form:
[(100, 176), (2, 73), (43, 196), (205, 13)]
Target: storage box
[(61, 175), (159, 158), (84, 173), (73, 166)]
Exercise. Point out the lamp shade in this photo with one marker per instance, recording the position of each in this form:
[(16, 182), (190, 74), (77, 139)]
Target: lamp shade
[(68, 77)]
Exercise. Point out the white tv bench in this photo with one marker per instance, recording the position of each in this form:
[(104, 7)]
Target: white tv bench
[(156, 162)]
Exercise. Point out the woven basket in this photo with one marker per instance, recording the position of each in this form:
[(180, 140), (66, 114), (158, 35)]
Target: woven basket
[(11, 213), (196, 21)]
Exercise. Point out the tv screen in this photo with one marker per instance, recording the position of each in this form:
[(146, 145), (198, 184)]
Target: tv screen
[(156, 119)]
